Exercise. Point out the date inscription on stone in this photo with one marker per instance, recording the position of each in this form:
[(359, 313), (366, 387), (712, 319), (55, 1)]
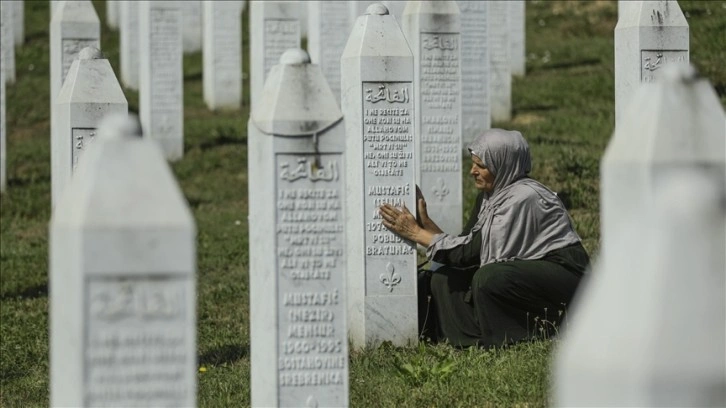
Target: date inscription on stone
[(388, 150), (71, 48), (312, 337), (136, 344), (166, 72), (280, 36), (652, 61), (82, 137)]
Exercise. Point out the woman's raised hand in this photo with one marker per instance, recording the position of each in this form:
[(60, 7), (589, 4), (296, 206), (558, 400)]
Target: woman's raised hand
[(403, 223), (423, 215)]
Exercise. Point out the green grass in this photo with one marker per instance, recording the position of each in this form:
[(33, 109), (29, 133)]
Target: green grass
[(564, 106)]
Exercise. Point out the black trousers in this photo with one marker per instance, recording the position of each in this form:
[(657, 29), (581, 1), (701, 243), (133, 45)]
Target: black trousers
[(500, 303)]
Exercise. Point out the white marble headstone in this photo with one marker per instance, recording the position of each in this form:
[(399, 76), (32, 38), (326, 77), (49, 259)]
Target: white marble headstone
[(648, 36), (299, 339), (18, 22), (129, 43), (161, 81), (89, 93), (112, 13), (3, 136), (475, 68), (122, 280), (377, 82), (222, 54), (500, 76), (517, 37), (433, 31), (192, 25), (329, 25), (649, 327), (395, 8), (274, 28), (7, 43)]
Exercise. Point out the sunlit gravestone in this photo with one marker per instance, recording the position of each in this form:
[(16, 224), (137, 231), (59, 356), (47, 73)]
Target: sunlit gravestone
[(74, 26), (329, 23), (517, 37), (129, 43), (7, 44), (296, 168), (90, 92), (649, 327), (500, 74), (122, 279), (378, 104), (433, 31), (475, 67), (222, 54), (191, 25), (274, 28), (648, 36), (161, 81)]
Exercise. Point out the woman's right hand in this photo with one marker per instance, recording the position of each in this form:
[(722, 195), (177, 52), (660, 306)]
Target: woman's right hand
[(423, 216)]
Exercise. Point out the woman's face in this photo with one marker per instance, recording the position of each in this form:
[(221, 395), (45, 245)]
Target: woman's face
[(483, 178)]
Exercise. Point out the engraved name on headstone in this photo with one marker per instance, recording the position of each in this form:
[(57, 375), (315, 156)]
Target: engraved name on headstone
[(297, 240), (129, 43), (274, 28), (90, 92), (648, 36), (161, 97), (329, 24), (222, 55), (500, 75), (475, 116), (433, 32), (122, 241), (377, 100)]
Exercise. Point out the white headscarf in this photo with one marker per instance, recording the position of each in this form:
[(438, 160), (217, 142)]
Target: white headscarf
[(521, 218)]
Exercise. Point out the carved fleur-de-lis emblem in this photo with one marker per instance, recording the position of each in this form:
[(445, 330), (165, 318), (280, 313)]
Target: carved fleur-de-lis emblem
[(441, 190), (392, 279)]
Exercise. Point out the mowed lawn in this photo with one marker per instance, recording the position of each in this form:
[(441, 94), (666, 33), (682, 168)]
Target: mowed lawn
[(563, 106)]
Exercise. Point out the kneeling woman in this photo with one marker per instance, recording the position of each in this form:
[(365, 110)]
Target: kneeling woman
[(513, 270)]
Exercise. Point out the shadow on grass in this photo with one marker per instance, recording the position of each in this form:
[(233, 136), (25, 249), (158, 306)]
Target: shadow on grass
[(33, 292), (229, 353)]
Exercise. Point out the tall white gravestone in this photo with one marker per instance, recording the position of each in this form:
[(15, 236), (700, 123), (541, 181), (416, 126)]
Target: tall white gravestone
[(222, 54), (122, 280), (517, 29), (7, 43), (297, 214), (274, 28), (500, 75), (129, 43), (90, 92), (433, 30), (161, 81), (648, 36), (18, 22), (74, 26), (329, 24), (112, 13), (662, 261), (377, 100), (192, 25), (475, 67)]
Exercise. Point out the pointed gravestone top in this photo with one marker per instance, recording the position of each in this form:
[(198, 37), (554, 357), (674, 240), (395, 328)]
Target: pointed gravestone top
[(90, 53), (285, 105), (377, 9)]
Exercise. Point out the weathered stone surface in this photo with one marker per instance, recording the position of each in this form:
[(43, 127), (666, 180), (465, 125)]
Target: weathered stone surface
[(161, 93), (517, 37), (122, 280), (90, 92), (377, 101), (475, 67), (433, 31), (129, 43), (329, 23), (500, 76), (222, 55), (662, 259), (648, 36), (297, 240), (191, 25), (274, 28)]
